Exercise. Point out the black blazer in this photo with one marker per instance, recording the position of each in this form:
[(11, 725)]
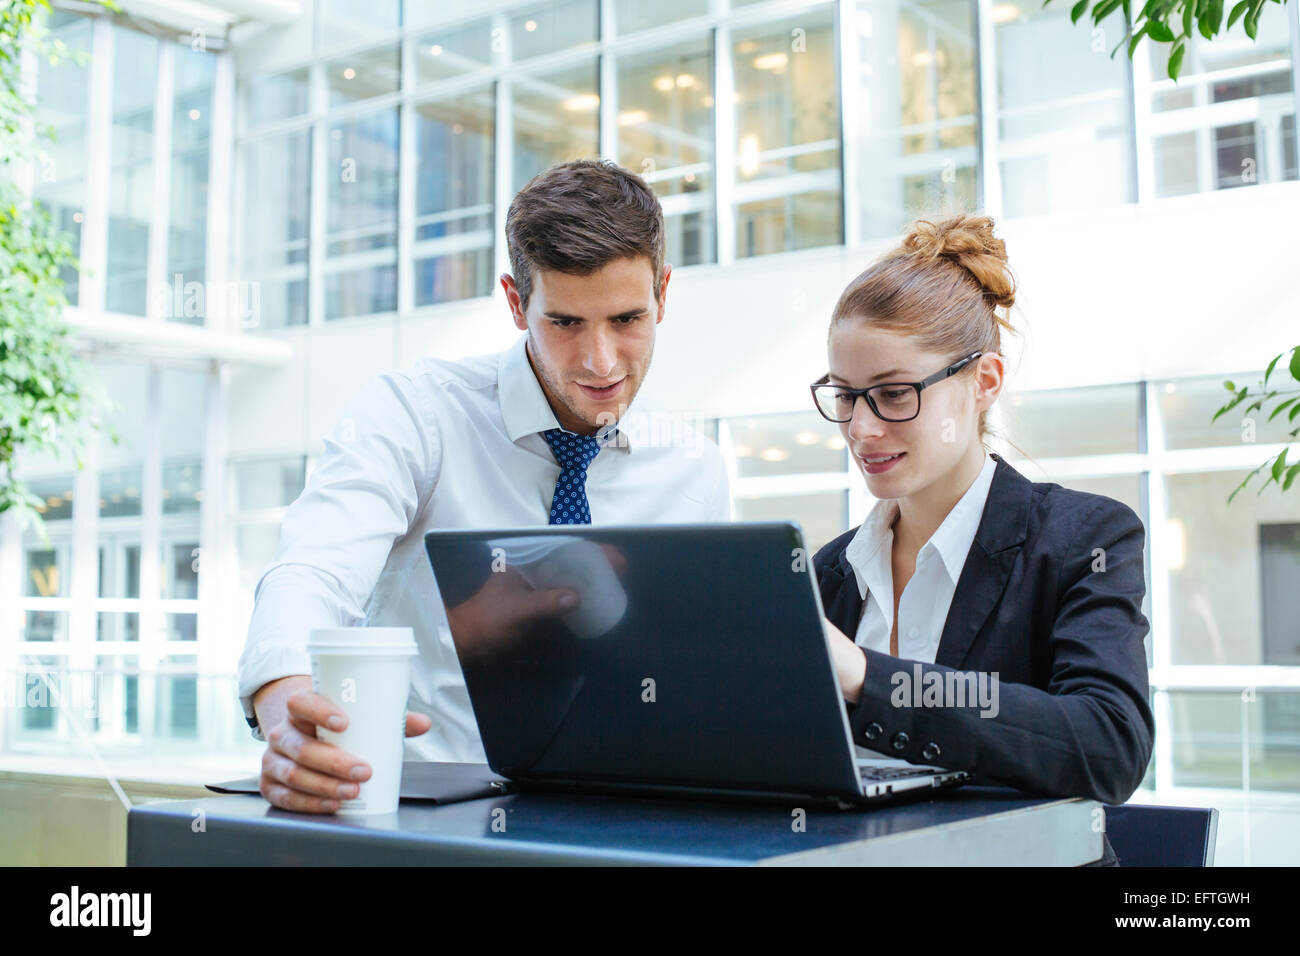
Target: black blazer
[(1065, 640)]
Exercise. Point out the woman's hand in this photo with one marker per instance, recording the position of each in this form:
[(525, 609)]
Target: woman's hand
[(850, 662)]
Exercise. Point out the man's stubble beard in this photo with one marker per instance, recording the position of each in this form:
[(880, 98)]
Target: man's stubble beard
[(558, 391)]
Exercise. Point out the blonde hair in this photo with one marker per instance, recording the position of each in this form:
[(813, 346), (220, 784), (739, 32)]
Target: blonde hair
[(943, 286)]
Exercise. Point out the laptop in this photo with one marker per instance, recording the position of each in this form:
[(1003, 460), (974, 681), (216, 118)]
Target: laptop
[(695, 664)]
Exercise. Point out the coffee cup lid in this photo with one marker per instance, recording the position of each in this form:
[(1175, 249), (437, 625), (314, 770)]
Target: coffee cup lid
[(361, 640)]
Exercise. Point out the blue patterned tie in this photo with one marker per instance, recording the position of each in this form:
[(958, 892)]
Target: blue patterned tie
[(573, 453)]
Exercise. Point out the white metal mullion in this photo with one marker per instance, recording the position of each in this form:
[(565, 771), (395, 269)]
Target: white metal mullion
[(608, 87), (318, 200), (156, 304), (1158, 536), (1142, 133), (502, 146), (152, 620), (214, 622), (219, 266), (91, 288), (724, 145), (84, 574), (990, 172), (845, 29), (407, 172)]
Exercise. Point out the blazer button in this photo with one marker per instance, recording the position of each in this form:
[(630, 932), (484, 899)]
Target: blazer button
[(872, 731), (899, 740), (931, 751)]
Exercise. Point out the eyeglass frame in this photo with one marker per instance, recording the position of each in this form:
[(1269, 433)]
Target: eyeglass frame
[(857, 393)]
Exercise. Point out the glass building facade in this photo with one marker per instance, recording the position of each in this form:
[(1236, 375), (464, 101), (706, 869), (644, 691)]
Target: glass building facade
[(363, 180)]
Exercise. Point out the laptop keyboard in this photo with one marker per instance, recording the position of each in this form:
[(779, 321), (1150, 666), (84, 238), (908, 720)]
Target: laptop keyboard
[(894, 773)]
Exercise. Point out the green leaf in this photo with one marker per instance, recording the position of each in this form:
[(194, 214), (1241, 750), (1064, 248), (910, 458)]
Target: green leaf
[(1241, 397), (1237, 11), (1176, 60), (1279, 464), (1295, 363), (1078, 10), (1282, 407), (1290, 475), (1271, 365), (1104, 9), (1232, 388), (1132, 44), (1189, 10), (1160, 32)]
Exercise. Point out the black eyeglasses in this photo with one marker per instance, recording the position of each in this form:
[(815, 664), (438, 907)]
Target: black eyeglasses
[(890, 401)]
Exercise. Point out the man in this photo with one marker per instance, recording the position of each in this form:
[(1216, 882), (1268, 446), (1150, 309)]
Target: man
[(476, 443)]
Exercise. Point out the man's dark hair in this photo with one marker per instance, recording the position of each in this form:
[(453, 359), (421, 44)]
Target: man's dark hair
[(580, 216)]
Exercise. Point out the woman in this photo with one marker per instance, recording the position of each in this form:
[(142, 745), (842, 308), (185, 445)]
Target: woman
[(979, 621)]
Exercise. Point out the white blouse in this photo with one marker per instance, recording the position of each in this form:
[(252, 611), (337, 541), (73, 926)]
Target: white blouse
[(923, 608)]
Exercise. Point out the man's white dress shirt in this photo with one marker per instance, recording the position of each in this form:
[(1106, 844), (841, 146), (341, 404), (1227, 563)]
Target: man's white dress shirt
[(923, 608), (447, 444)]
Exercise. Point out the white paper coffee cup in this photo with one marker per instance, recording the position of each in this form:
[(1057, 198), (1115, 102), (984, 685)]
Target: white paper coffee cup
[(583, 566), (366, 673)]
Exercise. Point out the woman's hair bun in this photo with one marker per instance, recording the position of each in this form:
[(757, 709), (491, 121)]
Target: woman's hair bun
[(969, 242)]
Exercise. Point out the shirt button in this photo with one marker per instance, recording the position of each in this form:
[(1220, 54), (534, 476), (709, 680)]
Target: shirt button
[(899, 741), (872, 731), (931, 751)]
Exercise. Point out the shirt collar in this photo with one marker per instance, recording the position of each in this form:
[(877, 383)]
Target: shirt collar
[(524, 408), (952, 539)]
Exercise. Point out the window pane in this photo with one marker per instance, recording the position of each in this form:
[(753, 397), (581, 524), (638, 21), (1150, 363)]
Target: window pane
[(1102, 420), (823, 516), (549, 27), (277, 172), (176, 697), (556, 119), (1230, 119), (789, 444), (56, 493), (787, 136), (359, 76), (265, 99), (40, 710), (917, 98), (665, 119), (130, 193), (182, 627), (182, 486), (633, 15), (43, 575), (453, 196), (62, 99), (187, 245), (118, 626), (181, 571), (1218, 556), (119, 570), (1187, 405), (1210, 739), (349, 22), (362, 217), (119, 492), (453, 52), (1063, 115), (256, 544), (271, 483), (46, 626)]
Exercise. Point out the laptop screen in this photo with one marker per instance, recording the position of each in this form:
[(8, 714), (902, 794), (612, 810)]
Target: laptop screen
[(695, 656)]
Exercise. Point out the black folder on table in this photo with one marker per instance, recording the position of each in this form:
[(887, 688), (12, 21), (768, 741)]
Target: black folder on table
[(422, 782)]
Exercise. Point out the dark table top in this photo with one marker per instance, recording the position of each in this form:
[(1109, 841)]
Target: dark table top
[(968, 826)]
